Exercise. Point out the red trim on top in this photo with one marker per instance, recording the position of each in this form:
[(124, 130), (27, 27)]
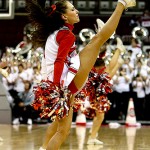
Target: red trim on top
[(74, 71), (65, 39), (72, 87)]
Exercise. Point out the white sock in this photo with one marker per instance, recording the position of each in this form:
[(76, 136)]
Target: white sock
[(122, 2)]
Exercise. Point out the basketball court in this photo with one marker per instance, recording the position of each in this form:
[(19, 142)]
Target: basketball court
[(30, 137), (26, 137)]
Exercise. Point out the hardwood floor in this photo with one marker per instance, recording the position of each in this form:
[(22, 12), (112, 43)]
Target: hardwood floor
[(24, 137)]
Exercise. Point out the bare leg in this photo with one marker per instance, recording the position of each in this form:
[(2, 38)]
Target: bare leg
[(61, 133), (114, 64), (97, 121), (89, 54), (63, 128), (51, 130), (114, 59), (116, 67)]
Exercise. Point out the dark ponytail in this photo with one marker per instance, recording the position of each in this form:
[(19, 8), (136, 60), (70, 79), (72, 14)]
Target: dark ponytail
[(44, 20)]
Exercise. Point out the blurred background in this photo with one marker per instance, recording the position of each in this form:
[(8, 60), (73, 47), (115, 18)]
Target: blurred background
[(24, 68), (11, 30)]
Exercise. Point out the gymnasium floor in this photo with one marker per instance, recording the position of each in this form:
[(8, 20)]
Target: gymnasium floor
[(24, 137)]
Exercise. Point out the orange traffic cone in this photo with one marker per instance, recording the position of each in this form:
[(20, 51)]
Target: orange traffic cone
[(131, 118)]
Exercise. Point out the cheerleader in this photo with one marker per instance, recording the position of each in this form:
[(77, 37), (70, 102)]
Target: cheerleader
[(65, 71), (97, 88)]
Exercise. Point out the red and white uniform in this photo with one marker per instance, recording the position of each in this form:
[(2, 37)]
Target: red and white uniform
[(59, 66), (60, 56)]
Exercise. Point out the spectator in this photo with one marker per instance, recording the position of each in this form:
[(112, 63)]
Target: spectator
[(22, 76), (128, 66), (140, 69), (147, 97), (135, 48), (22, 108), (122, 87), (139, 100)]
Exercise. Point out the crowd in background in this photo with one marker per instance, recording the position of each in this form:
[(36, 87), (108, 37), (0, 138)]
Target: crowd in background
[(131, 81)]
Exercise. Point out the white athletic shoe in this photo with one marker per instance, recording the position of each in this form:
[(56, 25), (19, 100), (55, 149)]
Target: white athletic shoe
[(120, 46), (16, 121), (100, 25), (94, 142), (29, 121), (128, 3), (41, 148), (120, 61)]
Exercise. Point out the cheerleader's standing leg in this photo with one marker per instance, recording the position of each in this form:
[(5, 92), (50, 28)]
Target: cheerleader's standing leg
[(51, 130), (62, 132), (97, 121)]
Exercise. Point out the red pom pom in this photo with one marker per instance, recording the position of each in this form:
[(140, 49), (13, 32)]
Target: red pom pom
[(51, 100), (79, 100), (97, 87)]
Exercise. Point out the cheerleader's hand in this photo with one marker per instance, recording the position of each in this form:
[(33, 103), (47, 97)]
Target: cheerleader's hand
[(120, 46)]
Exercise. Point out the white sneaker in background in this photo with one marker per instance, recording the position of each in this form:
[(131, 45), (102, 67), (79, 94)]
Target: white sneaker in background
[(16, 121), (100, 25), (120, 60), (94, 142), (120, 45), (41, 148), (130, 3), (29, 121)]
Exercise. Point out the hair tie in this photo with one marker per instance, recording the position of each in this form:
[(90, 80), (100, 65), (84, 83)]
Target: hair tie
[(53, 7)]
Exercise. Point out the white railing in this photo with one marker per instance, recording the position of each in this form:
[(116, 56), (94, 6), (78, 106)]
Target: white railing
[(11, 12)]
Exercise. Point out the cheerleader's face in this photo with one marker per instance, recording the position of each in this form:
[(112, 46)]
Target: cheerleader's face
[(72, 15)]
